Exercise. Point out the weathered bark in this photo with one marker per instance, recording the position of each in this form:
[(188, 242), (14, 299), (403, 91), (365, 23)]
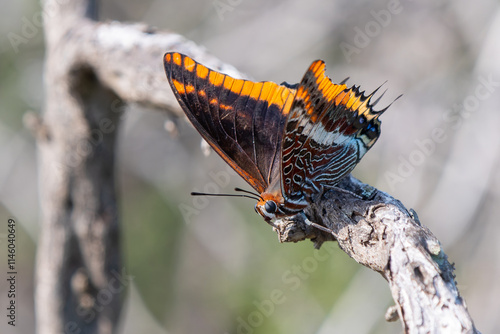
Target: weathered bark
[(91, 70), (378, 232)]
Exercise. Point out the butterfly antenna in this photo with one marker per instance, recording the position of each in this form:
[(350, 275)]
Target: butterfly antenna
[(249, 192), (222, 195)]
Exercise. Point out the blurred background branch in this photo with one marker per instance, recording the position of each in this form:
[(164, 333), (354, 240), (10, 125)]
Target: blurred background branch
[(91, 69)]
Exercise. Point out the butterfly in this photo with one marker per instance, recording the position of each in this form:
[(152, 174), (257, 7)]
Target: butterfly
[(289, 142)]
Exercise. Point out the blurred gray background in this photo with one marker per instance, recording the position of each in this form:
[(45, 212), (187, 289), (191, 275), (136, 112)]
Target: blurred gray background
[(220, 269)]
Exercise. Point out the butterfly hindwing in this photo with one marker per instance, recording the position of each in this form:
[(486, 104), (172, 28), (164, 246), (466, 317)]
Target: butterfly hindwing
[(243, 121), (329, 129)]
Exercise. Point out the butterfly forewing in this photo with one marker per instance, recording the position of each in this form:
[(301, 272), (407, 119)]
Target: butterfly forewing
[(329, 129), (287, 142), (243, 121)]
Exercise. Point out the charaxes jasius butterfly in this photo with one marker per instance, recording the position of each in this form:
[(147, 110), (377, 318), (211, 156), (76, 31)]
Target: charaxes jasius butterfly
[(289, 142)]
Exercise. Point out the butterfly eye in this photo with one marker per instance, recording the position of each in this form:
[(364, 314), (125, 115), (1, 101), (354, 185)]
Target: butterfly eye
[(270, 207)]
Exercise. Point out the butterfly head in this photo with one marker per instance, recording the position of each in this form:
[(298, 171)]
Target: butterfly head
[(270, 206), (274, 206)]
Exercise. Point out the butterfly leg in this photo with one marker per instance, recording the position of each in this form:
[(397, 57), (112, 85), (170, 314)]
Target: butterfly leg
[(365, 192), (345, 191), (319, 227), (335, 188)]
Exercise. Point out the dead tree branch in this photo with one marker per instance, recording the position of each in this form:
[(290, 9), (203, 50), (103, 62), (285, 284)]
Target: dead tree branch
[(378, 232), (91, 70)]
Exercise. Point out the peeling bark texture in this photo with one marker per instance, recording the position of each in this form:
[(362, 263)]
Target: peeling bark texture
[(378, 232), (92, 69)]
